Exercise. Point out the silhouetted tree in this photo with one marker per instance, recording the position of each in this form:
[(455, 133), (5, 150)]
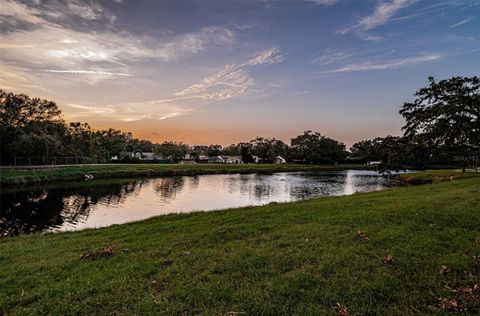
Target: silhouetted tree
[(446, 115), (314, 148)]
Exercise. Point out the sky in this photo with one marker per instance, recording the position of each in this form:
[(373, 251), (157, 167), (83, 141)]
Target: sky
[(223, 72)]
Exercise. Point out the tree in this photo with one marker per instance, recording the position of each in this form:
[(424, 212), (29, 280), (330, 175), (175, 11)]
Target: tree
[(28, 127), (366, 150), (214, 150), (314, 148), (446, 115), (171, 150), (246, 152), (267, 149), (231, 150)]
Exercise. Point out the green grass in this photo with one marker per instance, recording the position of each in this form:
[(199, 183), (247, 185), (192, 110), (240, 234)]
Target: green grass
[(430, 176), (31, 175), (281, 259)]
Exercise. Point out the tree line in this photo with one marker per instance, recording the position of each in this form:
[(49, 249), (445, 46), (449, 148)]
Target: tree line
[(442, 125)]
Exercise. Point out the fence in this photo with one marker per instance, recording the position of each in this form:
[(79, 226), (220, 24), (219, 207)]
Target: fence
[(39, 161)]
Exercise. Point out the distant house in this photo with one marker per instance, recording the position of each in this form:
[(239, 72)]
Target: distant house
[(187, 160), (210, 159), (232, 159), (279, 160), (123, 155), (147, 156)]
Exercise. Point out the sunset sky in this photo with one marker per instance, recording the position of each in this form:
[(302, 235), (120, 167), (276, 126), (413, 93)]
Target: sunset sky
[(226, 71)]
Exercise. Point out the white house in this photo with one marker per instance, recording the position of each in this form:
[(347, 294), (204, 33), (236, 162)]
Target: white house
[(210, 159), (279, 160), (232, 159), (147, 156)]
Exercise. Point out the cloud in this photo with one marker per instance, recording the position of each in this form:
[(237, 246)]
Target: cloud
[(382, 14), (94, 74), (332, 56), (388, 64), (269, 56), (126, 112), (232, 81), (323, 2), (56, 12), (461, 22), (192, 43)]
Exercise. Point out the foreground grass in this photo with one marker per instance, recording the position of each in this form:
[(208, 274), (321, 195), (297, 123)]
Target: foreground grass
[(31, 175), (279, 259)]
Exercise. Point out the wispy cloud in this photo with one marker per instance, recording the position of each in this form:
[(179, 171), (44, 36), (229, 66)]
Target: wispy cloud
[(461, 22), (332, 56), (232, 81), (387, 64), (323, 2), (382, 14), (127, 112)]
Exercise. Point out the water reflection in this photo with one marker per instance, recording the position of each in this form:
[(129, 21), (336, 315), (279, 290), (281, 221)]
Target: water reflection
[(101, 203)]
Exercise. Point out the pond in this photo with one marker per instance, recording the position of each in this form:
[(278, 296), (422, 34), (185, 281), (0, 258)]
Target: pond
[(87, 204)]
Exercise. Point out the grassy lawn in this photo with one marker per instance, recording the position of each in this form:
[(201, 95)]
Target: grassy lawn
[(106, 171), (295, 258)]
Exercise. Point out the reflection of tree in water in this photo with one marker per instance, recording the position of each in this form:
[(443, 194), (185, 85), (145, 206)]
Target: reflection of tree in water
[(40, 210), (167, 188), (254, 185), (194, 182), (316, 185)]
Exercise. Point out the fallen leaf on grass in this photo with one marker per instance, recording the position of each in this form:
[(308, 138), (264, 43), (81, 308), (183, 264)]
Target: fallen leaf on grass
[(477, 259), (102, 252), (341, 310), (224, 231), (471, 293), (449, 304), (388, 260), (166, 262), (362, 235), (444, 269)]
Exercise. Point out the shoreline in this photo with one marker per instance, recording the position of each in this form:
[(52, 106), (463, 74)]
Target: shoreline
[(32, 175)]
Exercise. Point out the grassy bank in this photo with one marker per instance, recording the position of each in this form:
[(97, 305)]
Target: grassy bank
[(280, 259), (107, 171), (432, 176)]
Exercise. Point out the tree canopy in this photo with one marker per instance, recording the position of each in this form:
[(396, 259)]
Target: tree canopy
[(445, 115), (316, 148)]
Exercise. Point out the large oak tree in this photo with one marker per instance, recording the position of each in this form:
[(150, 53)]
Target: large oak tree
[(446, 114)]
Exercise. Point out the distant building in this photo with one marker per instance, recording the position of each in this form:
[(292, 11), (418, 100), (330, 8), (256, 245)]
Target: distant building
[(279, 160), (123, 155), (187, 160), (147, 155), (232, 159)]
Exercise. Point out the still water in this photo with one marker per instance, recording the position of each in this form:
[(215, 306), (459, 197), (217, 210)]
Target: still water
[(98, 203)]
